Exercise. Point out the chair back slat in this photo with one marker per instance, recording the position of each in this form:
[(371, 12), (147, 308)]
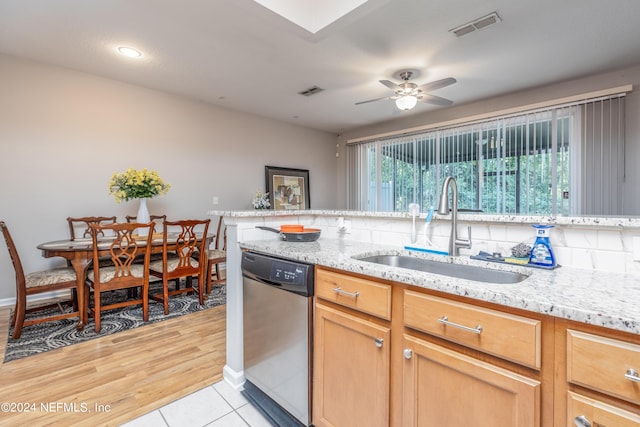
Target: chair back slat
[(123, 250)]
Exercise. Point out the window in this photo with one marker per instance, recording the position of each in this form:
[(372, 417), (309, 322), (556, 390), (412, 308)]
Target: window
[(558, 161)]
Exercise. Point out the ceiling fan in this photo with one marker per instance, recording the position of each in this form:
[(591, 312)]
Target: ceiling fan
[(408, 94)]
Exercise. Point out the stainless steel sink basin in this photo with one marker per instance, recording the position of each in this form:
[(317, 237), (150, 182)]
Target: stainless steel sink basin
[(469, 272)]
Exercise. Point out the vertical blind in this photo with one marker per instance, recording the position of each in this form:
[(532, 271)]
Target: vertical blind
[(566, 159)]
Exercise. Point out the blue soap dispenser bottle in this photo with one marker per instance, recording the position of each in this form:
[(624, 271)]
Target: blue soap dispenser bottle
[(541, 253)]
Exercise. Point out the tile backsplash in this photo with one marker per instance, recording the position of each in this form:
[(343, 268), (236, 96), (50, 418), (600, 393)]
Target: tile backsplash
[(596, 244), (586, 247)]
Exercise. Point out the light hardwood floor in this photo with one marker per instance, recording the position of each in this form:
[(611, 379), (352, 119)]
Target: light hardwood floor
[(114, 379)]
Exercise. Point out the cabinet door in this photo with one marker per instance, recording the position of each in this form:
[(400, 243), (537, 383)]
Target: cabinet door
[(445, 388), (351, 371), (586, 412)]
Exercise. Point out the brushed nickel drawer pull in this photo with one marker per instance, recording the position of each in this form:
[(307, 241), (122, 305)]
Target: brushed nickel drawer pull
[(632, 375), (340, 291), (581, 421), (379, 342), (445, 321)]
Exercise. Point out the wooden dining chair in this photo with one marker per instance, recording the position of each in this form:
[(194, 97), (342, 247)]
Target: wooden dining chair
[(216, 257), (124, 273), (37, 283), (83, 225), (183, 264), (80, 228), (158, 220)]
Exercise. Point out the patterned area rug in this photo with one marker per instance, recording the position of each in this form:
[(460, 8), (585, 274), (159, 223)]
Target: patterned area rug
[(51, 335)]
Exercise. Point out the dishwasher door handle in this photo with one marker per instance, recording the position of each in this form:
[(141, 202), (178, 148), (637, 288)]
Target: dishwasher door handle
[(261, 280)]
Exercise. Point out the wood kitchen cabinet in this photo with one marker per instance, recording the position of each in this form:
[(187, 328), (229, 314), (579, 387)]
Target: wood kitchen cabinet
[(351, 370), (445, 388), (602, 387), (391, 354), (351, 356)]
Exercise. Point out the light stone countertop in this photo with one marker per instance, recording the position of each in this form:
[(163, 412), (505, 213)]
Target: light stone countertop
[(597, 298), (586, 221)]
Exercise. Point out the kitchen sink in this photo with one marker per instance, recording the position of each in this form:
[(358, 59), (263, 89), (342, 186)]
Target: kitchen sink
[(469, 272)]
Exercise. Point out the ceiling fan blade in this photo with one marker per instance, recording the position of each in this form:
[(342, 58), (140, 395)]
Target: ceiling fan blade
[(436, 100), (390, 85), (427, 87), (372, 100)]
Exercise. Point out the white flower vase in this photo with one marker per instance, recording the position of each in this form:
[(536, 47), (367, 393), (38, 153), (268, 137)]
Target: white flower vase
[(143, 217)]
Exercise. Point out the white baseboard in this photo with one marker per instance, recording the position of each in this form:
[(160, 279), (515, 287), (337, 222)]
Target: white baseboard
[(234, 378), (47, 295)]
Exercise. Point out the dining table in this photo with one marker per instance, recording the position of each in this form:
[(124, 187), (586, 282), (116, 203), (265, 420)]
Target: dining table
[(79, 253)]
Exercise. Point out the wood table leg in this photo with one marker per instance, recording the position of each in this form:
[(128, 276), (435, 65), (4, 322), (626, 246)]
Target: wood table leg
[(80, 264)]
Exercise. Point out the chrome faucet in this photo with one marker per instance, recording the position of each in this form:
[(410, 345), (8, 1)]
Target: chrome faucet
[(443, 209)]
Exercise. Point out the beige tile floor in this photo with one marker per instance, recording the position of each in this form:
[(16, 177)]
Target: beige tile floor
[(217, 405)]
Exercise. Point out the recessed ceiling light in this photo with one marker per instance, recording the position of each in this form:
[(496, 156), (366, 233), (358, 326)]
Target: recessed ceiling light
[(130, 52)]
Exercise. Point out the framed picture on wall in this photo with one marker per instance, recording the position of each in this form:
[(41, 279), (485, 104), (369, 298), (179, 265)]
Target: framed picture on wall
[(288, 188)]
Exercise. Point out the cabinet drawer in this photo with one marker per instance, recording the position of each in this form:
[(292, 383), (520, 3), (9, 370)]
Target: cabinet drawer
[(360, 294), (583, 410), (505, 335), (604, 364)]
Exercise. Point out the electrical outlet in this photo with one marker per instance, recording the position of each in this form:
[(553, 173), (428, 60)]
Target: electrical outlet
[(215, 200), (636, 248), (344, 225)]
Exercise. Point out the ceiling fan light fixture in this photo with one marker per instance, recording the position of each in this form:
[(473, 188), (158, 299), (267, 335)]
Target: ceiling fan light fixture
[(406, 102), (407, 94)]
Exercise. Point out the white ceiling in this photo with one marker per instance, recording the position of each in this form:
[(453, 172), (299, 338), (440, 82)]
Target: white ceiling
[(240, 55)]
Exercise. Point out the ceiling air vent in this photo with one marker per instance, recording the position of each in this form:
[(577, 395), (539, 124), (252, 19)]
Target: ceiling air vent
[(476, 24), (311, 91)]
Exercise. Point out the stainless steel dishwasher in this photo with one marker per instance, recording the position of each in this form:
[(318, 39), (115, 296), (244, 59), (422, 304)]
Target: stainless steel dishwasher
[(277, 337)]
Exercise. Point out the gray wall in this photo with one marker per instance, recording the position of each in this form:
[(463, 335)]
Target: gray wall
[(631, 75), (64, 133)]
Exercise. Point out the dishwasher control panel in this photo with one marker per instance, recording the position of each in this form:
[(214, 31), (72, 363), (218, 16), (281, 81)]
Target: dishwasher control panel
[(285, 274)]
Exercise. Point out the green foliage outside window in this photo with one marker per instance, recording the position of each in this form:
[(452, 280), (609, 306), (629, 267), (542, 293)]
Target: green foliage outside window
[(499, 170)]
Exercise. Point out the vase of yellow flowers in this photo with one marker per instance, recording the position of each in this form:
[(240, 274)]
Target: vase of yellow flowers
[(138, 184)]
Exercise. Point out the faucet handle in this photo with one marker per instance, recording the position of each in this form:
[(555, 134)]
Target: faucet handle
[(466, 243), (463, 243)]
